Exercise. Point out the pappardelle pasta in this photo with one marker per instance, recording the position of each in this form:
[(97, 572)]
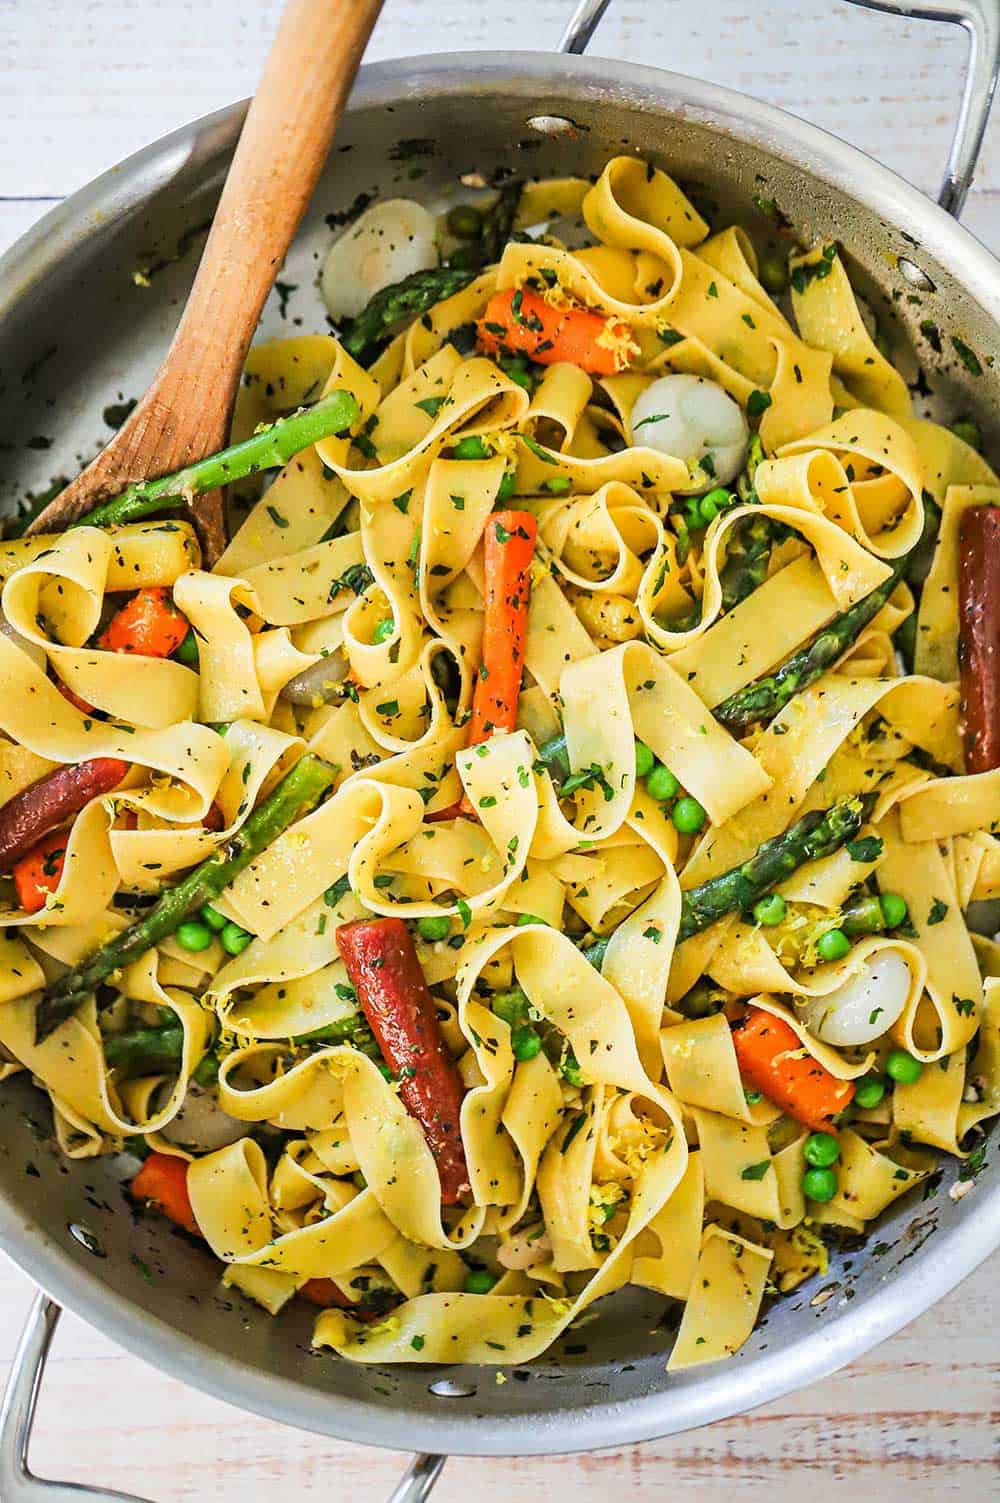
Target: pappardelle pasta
[(535, 858)]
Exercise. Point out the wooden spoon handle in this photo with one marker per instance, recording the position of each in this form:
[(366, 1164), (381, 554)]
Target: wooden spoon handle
[(278, 160), (187, 410)]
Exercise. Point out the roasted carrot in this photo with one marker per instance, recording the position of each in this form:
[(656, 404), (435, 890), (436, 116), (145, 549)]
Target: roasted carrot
[(74, 699), (44, 804), (385, 972), (773, 1061), (979, 654), (149, 624), (508, 551), (522, 321), (40, 871), (162, 1184)]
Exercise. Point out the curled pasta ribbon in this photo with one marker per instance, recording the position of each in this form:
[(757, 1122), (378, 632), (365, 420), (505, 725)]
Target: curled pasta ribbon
[(391, 1149), (863, 471), (828, 316), (64, 587), (73, 1068)]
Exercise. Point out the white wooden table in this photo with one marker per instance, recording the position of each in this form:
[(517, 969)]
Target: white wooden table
[(85, 82)]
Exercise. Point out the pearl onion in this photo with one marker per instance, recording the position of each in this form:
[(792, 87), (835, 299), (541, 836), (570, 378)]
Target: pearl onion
[(690, 417), (863, 1008), (390, 241)]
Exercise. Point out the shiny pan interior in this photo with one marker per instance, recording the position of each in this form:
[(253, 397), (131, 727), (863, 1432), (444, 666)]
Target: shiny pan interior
[(80, 331)]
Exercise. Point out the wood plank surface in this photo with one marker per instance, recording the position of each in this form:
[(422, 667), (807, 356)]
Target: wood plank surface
[(86, 82)]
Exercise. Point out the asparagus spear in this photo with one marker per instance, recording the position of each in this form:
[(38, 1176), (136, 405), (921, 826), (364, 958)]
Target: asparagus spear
[(299, 790), (818, 833), (417, 294), (765, 697), (748, 553), (271, 447), (144, 1051), (154, 1051)]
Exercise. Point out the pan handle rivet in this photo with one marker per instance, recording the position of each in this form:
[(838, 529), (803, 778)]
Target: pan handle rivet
[(86, 1238), (915, 275), (451, 1388), (552, 125)]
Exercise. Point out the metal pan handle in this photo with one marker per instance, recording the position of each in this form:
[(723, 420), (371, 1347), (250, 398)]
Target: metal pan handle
[(18, 1484), (981, 20)]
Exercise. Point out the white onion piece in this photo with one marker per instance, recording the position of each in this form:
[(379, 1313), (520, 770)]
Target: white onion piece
[(690, 417), (865, 1006), (30, 649), (202, 1124), (390, 241), (319, 683)]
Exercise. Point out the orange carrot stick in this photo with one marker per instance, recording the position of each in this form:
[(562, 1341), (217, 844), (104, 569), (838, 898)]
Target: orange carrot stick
[(162, 1184), (771, 1058), (508, 551), (522, 321), (149, 624), (40, 871)]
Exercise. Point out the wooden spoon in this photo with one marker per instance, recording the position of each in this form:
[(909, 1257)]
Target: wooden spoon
[(187, 410)]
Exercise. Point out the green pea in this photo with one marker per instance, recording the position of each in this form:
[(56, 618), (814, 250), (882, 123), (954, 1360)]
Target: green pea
[(234, 939), (213, 918), (833, 945), (511, 1006), (465, 222), (194, 935), (644, 760), (894, 909), (470, 448), (529, 918), (558, 485), (688, 815), (479, 1281), (507, 485), (819, 1184), (187, 652), (772, 272), (692, 511), (717, 500), (968, 432), (821, 1150), (869, 1092), (661, 783), (206, 1072), (903, 1068), (384, 630), (432, 929), (525, 1042), (770, 910)]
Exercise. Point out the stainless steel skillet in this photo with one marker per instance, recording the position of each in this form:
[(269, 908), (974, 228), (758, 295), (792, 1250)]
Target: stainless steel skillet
[(79, 330)]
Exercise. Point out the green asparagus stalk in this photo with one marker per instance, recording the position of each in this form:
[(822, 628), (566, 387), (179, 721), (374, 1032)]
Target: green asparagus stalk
[(144, 1051), (351, 1030), (748, 554), (272, 447), (818, 833), (299, 790), (863, 916), (763, 699), (404, 301), (155, 1051)]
